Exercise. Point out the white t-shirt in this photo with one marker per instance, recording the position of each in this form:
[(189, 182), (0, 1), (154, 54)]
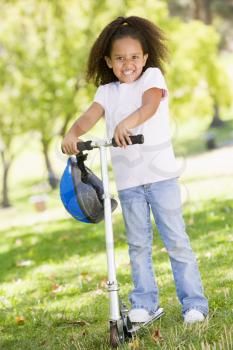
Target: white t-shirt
[(154, 160)]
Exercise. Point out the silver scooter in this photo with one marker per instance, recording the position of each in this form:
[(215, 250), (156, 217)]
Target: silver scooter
[(121, 327)]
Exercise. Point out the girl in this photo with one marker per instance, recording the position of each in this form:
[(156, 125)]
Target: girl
[(126, 64)]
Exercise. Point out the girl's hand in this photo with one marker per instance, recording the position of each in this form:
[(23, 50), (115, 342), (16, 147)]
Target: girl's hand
[(121, 134), (69, 144)]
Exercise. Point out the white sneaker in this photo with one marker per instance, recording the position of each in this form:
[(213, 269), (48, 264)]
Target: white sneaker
[(193, 316), (139, 315)]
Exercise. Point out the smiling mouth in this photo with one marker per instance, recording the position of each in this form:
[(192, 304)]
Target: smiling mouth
[(128, 72)]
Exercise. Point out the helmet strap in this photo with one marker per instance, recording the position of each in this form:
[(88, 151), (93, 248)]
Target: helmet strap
[(80, 157)]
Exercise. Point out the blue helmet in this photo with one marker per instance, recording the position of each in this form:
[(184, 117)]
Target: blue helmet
[(81, 191)]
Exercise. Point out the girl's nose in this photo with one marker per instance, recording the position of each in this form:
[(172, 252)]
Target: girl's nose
[(127, 61)]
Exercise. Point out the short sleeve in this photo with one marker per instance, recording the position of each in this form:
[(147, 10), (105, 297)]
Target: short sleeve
[(154, 78), (100, 96)]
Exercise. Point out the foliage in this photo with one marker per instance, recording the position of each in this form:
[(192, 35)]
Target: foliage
[(10, 81), (49, 68), (43, 50), (11, 121), (196, 75), (53, 40)]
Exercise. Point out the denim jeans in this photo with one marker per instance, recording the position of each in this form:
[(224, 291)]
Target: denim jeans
[(163, 199)]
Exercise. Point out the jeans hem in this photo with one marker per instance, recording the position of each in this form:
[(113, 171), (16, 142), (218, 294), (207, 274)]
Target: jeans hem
[(202, 309), (151, 311)]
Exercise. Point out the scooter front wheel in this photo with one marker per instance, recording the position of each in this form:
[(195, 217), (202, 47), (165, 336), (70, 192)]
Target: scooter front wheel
[(116, 334)]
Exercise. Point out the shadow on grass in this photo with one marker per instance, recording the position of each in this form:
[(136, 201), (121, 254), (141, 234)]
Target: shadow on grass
[(211, 218), (53, 242), (58, 241)]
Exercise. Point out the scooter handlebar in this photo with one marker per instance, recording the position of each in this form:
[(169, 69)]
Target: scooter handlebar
[(84, 146), (135, 139), (89, 145)]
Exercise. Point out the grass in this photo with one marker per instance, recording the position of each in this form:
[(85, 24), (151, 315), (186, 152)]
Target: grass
[(53, 276), (190, 138), (53, 269)]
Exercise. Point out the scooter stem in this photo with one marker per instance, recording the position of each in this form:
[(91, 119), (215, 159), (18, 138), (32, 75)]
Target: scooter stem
[(113, 286)]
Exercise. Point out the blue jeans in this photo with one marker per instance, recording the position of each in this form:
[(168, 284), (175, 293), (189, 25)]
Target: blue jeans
[(163, 198)]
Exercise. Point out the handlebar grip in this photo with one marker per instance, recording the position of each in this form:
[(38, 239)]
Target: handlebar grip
[(135, 139), (84, 146)]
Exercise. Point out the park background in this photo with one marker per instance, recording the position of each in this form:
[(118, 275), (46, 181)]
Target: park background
[(53, 269)]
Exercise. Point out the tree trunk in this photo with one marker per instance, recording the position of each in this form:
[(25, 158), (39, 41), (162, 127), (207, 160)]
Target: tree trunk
[(208, 18), (5, 193), (216, 122), (202, 10), (65, 124), (53, 180), (197, 9)]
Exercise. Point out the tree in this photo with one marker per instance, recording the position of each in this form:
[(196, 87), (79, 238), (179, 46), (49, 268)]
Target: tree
[(7, 133), (218, 13), (204, 10), (50, 76), (57, 63), (9, 101), (47, 44), (196, 74)]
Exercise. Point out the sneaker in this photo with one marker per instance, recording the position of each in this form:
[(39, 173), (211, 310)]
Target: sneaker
[(193, 316), (139, 315)]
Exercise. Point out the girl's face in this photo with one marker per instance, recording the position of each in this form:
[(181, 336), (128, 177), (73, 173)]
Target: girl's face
[(126, 59)]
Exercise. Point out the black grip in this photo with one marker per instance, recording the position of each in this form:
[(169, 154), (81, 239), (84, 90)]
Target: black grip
[(135, 139), (84, 146)]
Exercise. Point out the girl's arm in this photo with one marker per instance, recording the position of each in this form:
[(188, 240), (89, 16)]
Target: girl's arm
[(82, 125), (150, 102)]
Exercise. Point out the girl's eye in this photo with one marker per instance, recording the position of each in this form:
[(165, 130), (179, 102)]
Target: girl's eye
[(121, 58)]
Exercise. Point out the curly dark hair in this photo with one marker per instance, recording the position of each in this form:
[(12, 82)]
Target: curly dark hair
[(150, 36)]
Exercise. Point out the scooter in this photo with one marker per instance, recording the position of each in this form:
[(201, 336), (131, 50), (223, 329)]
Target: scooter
[(121, 327)]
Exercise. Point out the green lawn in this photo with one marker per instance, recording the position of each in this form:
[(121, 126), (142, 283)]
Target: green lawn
[(190, 138), (53, 294)]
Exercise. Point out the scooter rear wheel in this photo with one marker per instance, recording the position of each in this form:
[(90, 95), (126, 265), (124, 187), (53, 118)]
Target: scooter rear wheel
[(115, 337)]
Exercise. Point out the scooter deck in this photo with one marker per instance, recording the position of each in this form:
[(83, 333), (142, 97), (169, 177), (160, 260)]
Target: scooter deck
[(136, 327)]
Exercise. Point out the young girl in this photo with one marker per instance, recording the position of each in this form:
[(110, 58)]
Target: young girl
[(126, 64)]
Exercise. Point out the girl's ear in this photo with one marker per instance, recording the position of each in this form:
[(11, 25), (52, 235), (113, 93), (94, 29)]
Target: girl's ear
[(108, 61), (145, 57)]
